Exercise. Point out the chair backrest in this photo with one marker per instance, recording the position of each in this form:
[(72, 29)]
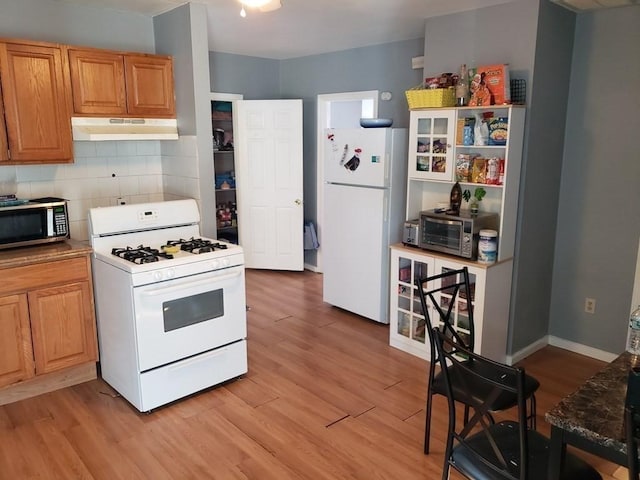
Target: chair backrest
[(489, 380), (442, 293), (632, 423)]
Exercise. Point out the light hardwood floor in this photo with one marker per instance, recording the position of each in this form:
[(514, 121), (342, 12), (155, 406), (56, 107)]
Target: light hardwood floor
[(325, 398)]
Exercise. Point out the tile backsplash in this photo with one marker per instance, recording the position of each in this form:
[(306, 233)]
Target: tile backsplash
[(105, 173)]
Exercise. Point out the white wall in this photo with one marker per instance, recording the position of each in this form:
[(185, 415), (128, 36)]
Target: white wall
[(102, 173)]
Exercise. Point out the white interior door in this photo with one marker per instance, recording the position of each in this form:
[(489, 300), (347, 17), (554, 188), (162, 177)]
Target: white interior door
[(268, 149)]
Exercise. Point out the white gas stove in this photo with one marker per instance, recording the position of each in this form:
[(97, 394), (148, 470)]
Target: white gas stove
[(170, 304)]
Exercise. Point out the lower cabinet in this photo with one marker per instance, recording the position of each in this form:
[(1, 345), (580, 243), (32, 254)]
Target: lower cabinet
[(490, 296), (47, 321)]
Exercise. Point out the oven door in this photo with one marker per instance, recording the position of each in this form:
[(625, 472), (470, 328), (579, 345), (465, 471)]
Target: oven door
[(186, 316), (441, 235)]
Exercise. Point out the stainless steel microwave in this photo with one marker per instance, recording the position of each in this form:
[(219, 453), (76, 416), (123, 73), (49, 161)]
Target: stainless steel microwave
[(33, 222), (454, 234)]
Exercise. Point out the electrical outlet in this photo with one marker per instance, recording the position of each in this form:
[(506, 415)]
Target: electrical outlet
[(590, 305)]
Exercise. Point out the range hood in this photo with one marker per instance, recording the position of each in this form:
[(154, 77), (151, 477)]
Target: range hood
[(101, 129)]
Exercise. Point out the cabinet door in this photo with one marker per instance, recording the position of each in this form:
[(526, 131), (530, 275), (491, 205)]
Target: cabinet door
[(408, 325), (149, 81), (62, 325), (16, 355), (465, 300), (97, 82), (431, 144), (35, 103), (4, 144)]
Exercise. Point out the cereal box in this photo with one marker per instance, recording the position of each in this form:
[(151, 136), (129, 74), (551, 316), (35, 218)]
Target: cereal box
[(496, 78)]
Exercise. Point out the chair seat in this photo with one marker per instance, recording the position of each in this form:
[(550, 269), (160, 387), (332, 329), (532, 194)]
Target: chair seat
[(473, 392), (506, 437)]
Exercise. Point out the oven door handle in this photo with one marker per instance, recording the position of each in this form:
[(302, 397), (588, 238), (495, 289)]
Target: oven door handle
[(182, 286)]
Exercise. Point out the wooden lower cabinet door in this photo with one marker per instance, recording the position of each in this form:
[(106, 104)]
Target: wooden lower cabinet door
[(62, 326), (16, 355)]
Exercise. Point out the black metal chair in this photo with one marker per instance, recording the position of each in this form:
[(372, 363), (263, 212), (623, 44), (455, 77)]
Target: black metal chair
[(632, 423), (480, 449), (442, 292)]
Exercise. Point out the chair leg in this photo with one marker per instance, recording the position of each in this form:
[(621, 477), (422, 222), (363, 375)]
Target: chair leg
[(427, 422), (532, 412)]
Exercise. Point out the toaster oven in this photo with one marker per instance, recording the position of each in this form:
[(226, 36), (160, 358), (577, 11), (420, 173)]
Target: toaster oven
[(454, 234)]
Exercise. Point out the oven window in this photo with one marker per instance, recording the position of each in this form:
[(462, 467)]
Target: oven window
[(186, 311)]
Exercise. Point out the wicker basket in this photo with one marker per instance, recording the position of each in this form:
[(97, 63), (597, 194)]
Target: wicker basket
[(420, 97)]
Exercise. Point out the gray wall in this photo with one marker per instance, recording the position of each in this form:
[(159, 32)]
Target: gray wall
[(76, 25), (540, 177), (383, 67), (182, 32), (598, 218), (255, 78)]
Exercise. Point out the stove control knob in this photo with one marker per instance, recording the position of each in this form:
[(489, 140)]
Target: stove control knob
[(171, 273), (157, 276), (215, 264), (226, 262)]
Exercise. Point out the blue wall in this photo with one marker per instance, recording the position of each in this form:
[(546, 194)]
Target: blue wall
[(382, 67), (50, 21)]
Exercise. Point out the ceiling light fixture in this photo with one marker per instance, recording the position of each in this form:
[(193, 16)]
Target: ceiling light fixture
[(262, 5)]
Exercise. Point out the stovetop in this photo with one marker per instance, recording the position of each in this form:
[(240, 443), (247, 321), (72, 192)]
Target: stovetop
[(145, 254), (155, 242)]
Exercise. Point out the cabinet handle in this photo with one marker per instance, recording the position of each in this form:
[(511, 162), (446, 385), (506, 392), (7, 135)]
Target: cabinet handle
[(298, 201)]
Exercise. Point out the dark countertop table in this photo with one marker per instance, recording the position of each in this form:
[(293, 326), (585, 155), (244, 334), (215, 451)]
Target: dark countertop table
[(592, 417)]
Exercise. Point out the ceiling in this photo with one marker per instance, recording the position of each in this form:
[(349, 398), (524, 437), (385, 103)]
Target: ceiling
[(306, 27)]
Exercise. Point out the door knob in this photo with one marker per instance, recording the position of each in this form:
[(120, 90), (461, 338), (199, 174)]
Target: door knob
[(298, 201)]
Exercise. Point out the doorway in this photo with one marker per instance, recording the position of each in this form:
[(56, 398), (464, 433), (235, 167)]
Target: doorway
[(337, 110)]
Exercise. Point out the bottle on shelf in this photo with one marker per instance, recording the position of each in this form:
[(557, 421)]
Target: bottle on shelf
[(633, 335), (455, 199), (462, 87)]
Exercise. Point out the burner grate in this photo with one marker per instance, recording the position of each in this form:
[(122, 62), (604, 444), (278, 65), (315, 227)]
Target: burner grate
[(197, 245), (140, 255)]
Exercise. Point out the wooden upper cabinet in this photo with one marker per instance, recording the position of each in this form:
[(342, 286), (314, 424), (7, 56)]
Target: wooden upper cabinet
[(150, 90), (4, 145), (36, 105), (97, 82), (106, 83)]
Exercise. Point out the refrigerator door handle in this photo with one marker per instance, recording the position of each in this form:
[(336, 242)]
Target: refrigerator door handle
[(386, 207)]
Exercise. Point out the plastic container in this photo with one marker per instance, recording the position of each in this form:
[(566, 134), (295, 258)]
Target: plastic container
[(633, 335), (488, 247)]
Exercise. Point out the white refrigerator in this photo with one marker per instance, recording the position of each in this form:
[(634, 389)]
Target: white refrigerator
[(365, 172)]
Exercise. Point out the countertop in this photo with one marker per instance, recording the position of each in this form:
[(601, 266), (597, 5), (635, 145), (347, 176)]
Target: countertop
[(595, 411), (452, 258), (18, 257)]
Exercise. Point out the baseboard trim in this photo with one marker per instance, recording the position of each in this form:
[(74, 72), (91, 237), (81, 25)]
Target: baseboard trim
[(528, 350), (312, 268), (565, 345), (582, 349), (48, 383)]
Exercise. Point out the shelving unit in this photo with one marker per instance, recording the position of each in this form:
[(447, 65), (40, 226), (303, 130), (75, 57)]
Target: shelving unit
[(407, 330), (224, 167), (434, 146), (432, 174)]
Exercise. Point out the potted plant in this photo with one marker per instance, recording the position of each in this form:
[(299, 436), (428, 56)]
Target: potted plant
[(478, 195)]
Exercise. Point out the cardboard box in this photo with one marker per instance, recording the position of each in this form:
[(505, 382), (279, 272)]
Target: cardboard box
[(497, 80)]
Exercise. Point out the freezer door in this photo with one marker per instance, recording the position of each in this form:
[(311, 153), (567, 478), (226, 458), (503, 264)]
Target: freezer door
[(357, 156), (355, 254)]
